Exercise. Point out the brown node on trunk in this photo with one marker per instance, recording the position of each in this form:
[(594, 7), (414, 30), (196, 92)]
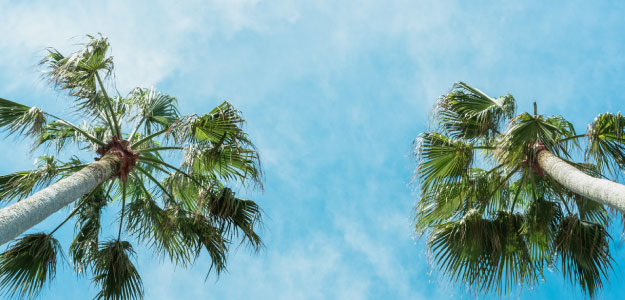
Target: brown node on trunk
[(122, 149), (533, 162)]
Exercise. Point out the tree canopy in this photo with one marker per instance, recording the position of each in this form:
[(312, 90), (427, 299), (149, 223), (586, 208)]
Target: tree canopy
[(494, 220), (175, 196)]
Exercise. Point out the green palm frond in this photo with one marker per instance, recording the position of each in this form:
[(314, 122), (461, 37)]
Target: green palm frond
[(486, 254), (584, 252), (77, 73), (59, 134), (441, 159), (482, 191), (468, 113), (115, 273), (85, 244), (223, 161), (232, 214), (542, 219), (156, 110), (28, 264), (525, 131), (20, 119), (606, 142)]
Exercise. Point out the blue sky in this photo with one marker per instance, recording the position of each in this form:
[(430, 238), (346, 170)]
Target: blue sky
[(334, 92)]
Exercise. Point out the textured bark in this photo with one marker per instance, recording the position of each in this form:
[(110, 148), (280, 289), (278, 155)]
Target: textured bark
[(601, 190), (19, 217)]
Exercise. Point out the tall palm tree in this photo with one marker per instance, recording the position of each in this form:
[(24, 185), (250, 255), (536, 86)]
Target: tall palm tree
[(501, 197), (177, 209)]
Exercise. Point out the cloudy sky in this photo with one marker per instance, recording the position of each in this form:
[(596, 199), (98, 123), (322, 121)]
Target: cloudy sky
[(334, 92)]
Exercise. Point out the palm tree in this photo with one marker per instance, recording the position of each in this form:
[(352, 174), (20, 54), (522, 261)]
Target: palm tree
[(175, 209), (501, 198)]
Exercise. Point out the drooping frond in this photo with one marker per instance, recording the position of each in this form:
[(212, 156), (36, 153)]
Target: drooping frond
[(606, 142), (20, 119), (584, 252), (468, 113), (232, 214), (115, 273), (486, 254), (85, 244), (28, 264)]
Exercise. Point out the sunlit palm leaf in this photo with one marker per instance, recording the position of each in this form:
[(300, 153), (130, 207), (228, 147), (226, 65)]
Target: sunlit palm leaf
[(441, 159), (20, 119), (468, 113), (606, 142)]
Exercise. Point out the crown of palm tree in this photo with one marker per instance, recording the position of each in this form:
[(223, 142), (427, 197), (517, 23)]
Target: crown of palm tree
[(494, 219), (177, 209)]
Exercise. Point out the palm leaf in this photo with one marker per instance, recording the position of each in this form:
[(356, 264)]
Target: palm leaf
[(84, 247), (441, 159), (483, 253), (584, 252), (28, 264), (20, 119), (468, 113), (606, 142), (115, 273)]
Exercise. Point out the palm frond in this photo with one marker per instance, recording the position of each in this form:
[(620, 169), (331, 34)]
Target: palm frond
[(486, 254), (156, 110), (441, 159), (606, 142), (115, 273), (584, 252), (16, 118), (77, 73), (85, 244), (468, 113), (28, 264), (525, 131), (232, 214)]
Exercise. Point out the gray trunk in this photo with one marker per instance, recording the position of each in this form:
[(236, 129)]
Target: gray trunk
[(21, 216), (601, 190)]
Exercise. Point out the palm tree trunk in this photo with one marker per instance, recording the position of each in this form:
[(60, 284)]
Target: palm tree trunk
[(21, 216), (601, 190)]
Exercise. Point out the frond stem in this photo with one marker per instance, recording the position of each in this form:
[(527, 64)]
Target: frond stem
[(108, 105), (121, 220), (134, 131), (147, 138), (159, 148), (87, 135), (571, 138), (154, 180), (171, 167)]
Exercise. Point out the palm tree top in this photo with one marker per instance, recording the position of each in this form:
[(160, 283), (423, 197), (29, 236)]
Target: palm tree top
[(494, 219), (171, 189)]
